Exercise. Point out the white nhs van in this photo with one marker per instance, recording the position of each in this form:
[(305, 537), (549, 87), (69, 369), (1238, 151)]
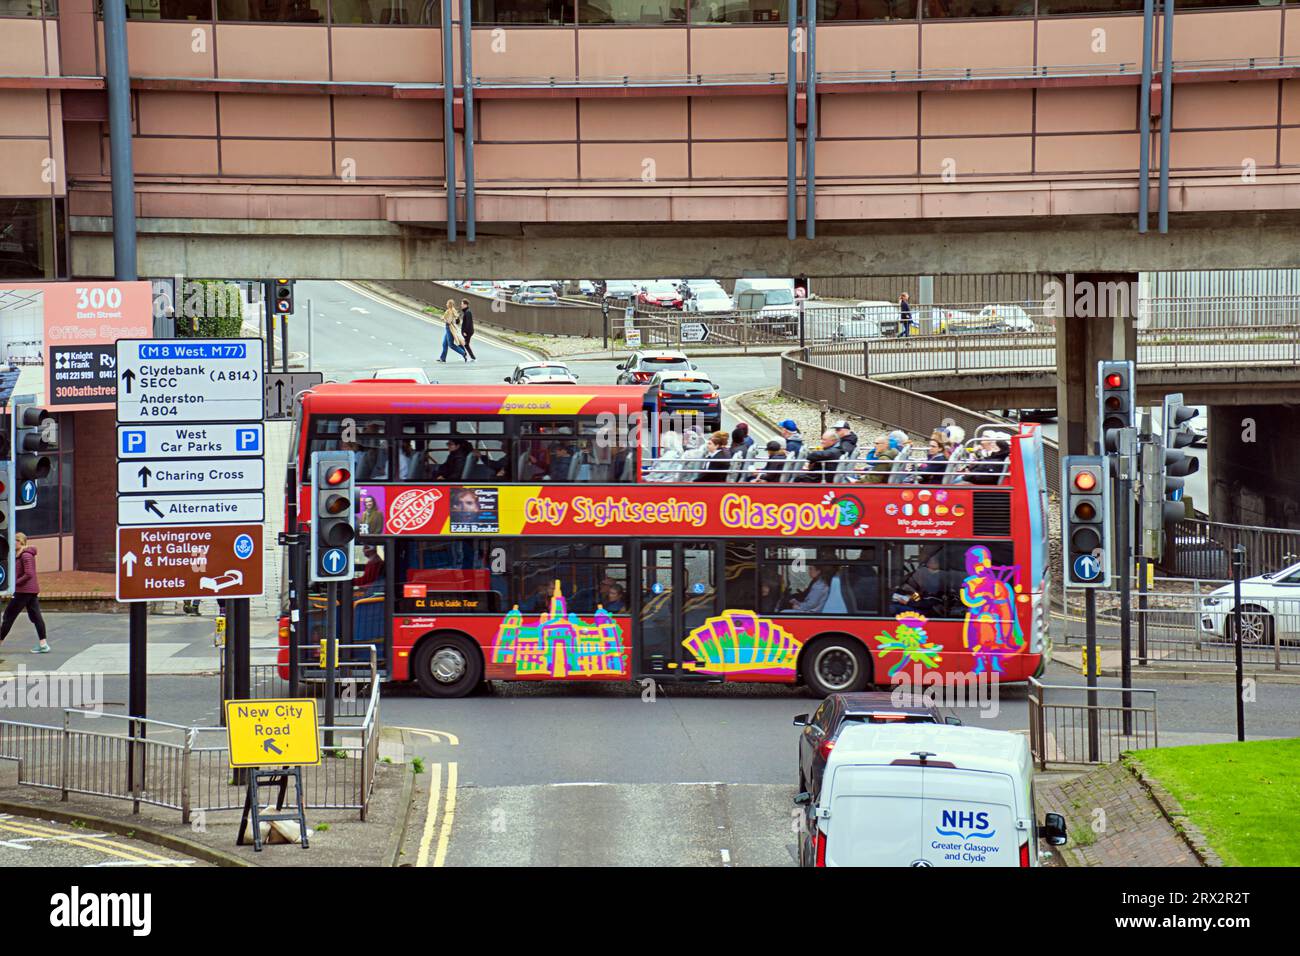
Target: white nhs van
[(926, 795)]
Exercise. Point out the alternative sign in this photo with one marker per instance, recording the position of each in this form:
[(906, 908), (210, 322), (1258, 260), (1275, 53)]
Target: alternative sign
[(189, 563), (272, 733)]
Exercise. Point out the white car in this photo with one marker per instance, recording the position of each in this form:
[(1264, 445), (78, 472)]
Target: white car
[(403, 374), (709, 300), (542, 373), (991, 318), (642, 366), (1270, 608)]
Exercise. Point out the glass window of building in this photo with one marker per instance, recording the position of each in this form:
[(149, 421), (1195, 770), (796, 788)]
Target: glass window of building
[(738, 11), (30, 238), (386, 12), (272, 11), (1098, 7), (631, 11), (553, 12), (972, 9), (27, 8), (842, 10)]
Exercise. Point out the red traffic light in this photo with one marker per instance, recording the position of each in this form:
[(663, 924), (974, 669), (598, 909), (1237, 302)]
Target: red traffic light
[(1085, 481), (337, 476), (1114, 380)]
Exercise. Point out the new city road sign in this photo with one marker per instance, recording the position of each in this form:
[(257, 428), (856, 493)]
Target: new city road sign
[(187, 563), (189, 380), (272, 733)]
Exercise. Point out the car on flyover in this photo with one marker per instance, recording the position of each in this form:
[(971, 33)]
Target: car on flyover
[(624, 289), (535, 293), (1270, 609), (643, 365), (822, 727), (542, 373), (691, 396)]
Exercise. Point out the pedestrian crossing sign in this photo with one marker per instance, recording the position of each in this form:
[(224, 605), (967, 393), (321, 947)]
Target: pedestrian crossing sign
[(272, 733)]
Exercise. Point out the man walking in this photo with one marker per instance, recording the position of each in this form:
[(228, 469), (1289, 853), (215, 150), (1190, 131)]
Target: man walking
[(26, 595), (467, 327), (904, 316)]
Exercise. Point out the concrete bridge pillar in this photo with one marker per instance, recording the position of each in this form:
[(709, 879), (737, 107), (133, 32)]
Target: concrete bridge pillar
[(1254, 465), (1094, 314)]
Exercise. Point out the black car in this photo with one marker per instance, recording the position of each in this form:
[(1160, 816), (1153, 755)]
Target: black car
[(821, 729)]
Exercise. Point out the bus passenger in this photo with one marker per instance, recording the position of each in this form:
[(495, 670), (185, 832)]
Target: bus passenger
[(616, 603), (772, 469), (666, 467), (719, 459), (458, 450), (813, 598), (693, 455)]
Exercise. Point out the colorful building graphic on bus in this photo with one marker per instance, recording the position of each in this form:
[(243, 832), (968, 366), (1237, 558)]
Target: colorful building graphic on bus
[(741, 642), (561, 644)]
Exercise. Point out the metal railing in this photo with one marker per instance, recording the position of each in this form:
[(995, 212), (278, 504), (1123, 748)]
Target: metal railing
[(1063, 724), (1193, 625), (1203, 549), (184, 768)]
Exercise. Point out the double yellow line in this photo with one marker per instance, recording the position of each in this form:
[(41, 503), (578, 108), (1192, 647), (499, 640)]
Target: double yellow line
[(96, 843), (441, 811)]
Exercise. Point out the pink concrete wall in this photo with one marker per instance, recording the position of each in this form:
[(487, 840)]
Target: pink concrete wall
[(171, 157), (1090, 41), (868, 114), (530, 121), (738, 49), (1210, 105), (1221, 35), (975, 157), (977, 44), (275, 52), (168, 49), (370, 54), (254, 114), (738, 117), (524, 53), (632, 52), (634, 162), (867, 159), (251, 157), (1085, 110), (22, 51), (374, 117), (1095, 153), (525, 163), (867, 46), (975, 113), (739, 161), (177, 114), (1222, 150), (370, 160), (629, 119)]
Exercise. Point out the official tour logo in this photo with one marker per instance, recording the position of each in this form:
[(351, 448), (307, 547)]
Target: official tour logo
[(412, 510)]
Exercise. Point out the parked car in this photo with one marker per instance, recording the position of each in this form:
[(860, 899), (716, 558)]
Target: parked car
[(991, 318), (868, 320), (924, 795), (1270, 609), (479, 287), (536, 293), (689, 395), (542, 373), (773, 307), (642, 366), (620, 289), (822, 728), (403, 375), (709, 301), (659, 294)]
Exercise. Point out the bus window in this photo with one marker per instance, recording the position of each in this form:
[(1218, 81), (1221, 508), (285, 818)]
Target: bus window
[(368, 598), (448, 576), (927, 578), (741, 572), (370, 444), (589, 575), (432, 450), (820, 580)]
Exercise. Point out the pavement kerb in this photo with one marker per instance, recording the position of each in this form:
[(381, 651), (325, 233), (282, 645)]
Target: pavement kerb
[(398, 833), (1172, 811), (134, 831)]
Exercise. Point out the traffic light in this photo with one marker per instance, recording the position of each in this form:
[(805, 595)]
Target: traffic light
[(1116, 395), (1085, 521), (333, 515), (35, 438), (282, 296), (1177, 464)]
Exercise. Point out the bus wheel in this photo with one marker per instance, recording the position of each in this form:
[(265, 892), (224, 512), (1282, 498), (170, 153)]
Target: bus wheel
[(835, 665), (448, 665)]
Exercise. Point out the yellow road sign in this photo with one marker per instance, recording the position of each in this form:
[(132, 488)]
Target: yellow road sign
[(272, 733)]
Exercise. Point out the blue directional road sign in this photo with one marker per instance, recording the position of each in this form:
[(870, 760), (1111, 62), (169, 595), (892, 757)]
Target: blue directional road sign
[(169, 442), (334, 560), (1087, 567), (27, 492)]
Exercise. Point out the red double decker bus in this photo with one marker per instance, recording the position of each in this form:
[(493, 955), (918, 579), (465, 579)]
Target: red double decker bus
[(529, 533)]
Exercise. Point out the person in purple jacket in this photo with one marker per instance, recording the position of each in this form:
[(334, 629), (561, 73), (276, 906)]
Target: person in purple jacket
[(26, 594)]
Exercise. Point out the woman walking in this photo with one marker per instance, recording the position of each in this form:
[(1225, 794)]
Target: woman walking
[(451, 336), (26, 595)]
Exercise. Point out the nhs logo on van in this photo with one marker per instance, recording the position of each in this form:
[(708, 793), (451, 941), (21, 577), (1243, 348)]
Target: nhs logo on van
[(965, 824)]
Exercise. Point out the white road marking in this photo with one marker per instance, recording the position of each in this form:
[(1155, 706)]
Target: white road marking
[(726, 856)]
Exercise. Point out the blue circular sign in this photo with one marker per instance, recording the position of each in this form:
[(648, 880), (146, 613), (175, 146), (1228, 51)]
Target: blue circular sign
[(697, 588), (334, 560), (28, 492), (3, 576), (244, 546), (1087, 567), (656, 588)]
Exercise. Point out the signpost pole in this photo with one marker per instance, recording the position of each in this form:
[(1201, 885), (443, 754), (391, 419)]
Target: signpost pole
[(1090, 630), (1238, 563), (309, 319), (298, 599), (284, 343), (331, 636)]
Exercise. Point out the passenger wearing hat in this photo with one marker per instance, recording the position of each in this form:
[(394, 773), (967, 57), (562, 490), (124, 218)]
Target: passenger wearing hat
[(847, 442), (772, 469), (994, 450), (793, 440)]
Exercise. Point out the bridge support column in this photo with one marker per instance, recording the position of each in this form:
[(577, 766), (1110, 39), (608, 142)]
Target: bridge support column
[(1254, 465), (1094, 320)]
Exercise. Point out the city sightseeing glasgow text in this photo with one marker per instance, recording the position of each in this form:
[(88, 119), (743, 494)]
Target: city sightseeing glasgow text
[(735, 511)]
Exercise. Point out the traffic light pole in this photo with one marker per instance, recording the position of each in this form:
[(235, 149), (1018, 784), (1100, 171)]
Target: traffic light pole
[(1090, 635), (1124, 513), (331, 637), (1238, 563)]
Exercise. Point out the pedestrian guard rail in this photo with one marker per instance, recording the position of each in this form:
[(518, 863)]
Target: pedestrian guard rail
[(1068, 724), (185, 767)]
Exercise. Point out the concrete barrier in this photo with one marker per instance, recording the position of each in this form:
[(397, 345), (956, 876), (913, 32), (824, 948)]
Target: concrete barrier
[(536, 319)]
